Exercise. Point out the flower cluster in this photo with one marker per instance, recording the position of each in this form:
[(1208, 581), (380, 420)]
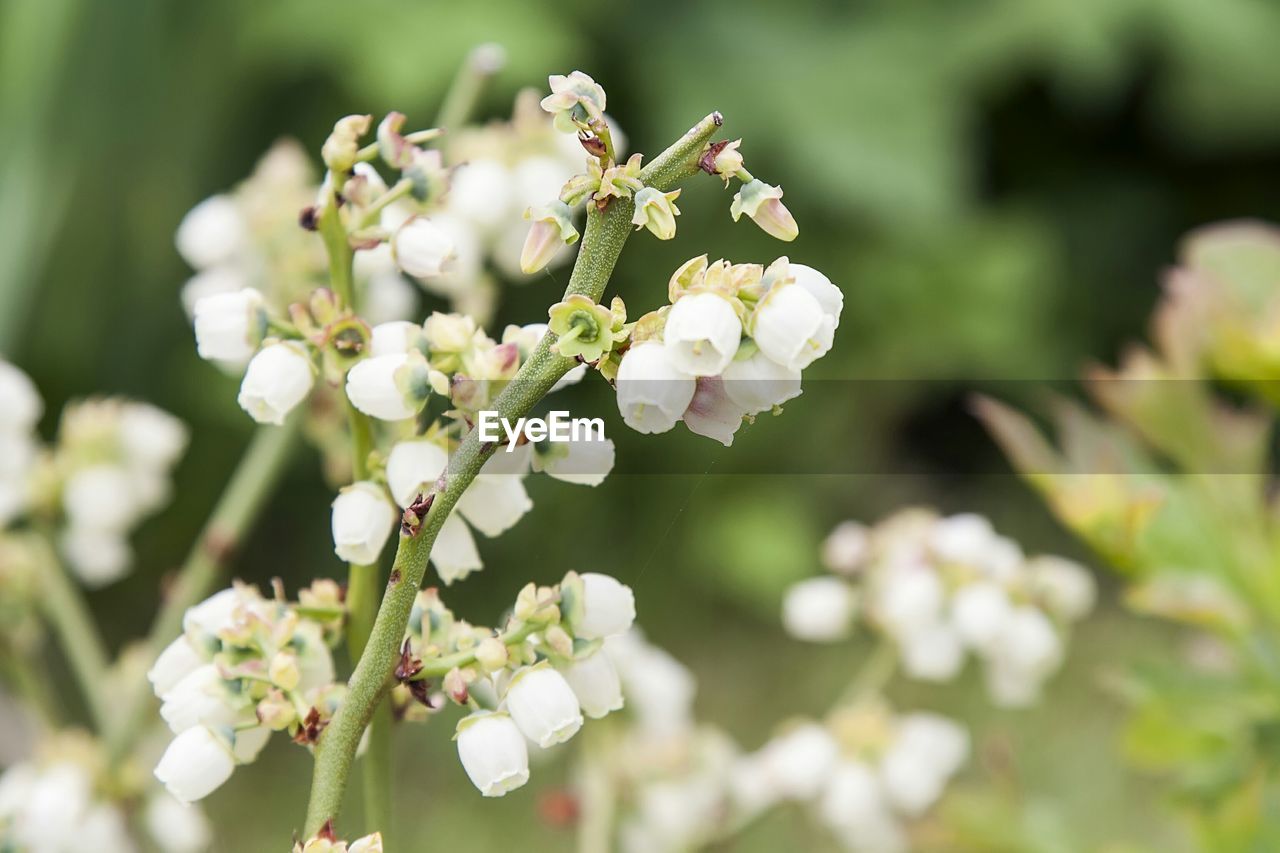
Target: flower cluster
[(108, 470), (533, 680), (731, 345), (865, 771), (326, 842), (64, 801), (244, 666), (941, 587)]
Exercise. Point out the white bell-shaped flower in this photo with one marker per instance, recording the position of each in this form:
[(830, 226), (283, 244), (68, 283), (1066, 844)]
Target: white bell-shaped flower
[(422, 248), (790, 326), (362, 522), (608, 607), (595, 682), (277, 379), (653, 392), (758, 383), (801, 760), (229, 326), (582, 461), (178, 660), (702, 334), (712, 413), (454, 553), (543, 705), (212, 232), (819, 609), (413, 467), (196, 763), (151, 438), (395, 337), (389, 387), (201, 698), (493, 752), (828, 295), (493, 503)]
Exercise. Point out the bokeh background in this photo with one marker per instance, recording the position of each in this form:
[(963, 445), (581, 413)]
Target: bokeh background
[(996, 184)]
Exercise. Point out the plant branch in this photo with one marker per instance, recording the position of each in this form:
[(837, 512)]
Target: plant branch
[(82, 645), (254, 479), (605, 234)]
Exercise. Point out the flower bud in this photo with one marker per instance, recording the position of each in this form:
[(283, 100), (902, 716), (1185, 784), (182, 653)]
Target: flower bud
[(195, 764), (413, 467), (763, 203), (575, 100), (390, 387), (278, 378), (276, 712), (551, 229), (229, 326), (339, 150), (596, 684), (493, 752), (178, 660), (723, 159), (702, 334), (656, 211), (819, 610), (212, 232), (491, 654), (543, 705), (367, 844), (283, 670), (362, 522), (422, 249), (20, 403), (790, 326), (653, 392), (608, 607)]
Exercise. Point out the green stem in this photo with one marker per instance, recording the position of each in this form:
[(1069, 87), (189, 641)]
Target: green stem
[(81, 643), (598, 793), (371, 213), (606, 233), (441, 666), (466, 88), (876, 671), (239, 506)]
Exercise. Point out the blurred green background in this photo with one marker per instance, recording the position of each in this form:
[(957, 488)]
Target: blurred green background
[(996, 185)]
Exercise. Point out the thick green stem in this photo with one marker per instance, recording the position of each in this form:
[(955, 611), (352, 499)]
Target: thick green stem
[(602, 243), (81, 643), (241, 502)]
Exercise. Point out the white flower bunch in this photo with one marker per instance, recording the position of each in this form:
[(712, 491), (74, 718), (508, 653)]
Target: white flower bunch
[(108, 470), (942, 588), (731, 345), (244, 666), (532, 681), (58, 802)]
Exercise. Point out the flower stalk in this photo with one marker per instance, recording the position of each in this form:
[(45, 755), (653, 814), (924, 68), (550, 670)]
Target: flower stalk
[(606, 233)]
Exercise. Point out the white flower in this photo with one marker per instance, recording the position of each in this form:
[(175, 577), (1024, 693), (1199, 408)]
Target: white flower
[(494, 502), (819, 609), (278, 378), (176, 827), (395, 338), (454, 552), (543, 706), (801, 760), (658, 688), (178, 660), (1065, 587), (712, 413), (20, 403), (212, 614), (821, 288), (100, 497), (211, 282), (853, 798), (389, 387), (1025, 653), (790, 326), (608, 607), (388, 297), (702, 334), (583, 462), (480, 192), (595, 682), (195, 764), (932, 653), (910, 598), (249, 742), (362, 522), (103, 829), (413, 466), (926, 751), (493, 753), (758, 383), (422, 248), (652, 392), (201, 698), (212, 232), (151, 438), (229, 326), (97, 557), (979, 612), (846, 547)]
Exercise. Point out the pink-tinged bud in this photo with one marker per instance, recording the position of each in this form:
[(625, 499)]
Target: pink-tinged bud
[(763, 203), (552, 229)]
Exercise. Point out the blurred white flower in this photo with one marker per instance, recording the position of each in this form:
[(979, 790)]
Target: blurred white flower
[(595, 682), (212, 232), (819, 610), (195, 764)]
